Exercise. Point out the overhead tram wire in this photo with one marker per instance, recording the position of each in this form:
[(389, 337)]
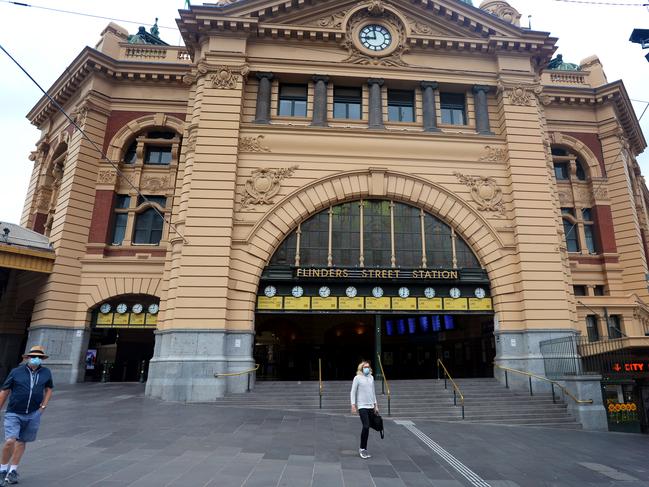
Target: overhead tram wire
[(95, 146), (604, 4), (82, 14)]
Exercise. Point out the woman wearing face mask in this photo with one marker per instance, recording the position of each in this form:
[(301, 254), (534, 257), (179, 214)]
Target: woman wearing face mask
[(364, 401)]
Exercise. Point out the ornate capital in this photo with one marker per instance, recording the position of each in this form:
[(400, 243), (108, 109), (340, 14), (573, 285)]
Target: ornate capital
[(429, 84), (485, 192), (263, 185), (226, 77), (479, 88), (252, 144), (319, 77), (267, 76), (375, 81), (106, 176)]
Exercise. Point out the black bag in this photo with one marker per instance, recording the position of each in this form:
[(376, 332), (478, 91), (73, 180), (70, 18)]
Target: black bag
[(376, 423)]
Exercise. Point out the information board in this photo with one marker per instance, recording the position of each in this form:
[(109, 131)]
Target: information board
[(351, 303), (429, 304), (459, 304), (408, 304), (301, 304), (319, 303), (264, 302), (484, 304), (377, 303)]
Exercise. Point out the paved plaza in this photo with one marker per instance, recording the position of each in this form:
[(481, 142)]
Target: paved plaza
[(104, 435)]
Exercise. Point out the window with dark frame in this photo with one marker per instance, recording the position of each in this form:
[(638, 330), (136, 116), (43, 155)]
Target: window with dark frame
[(592, 328), (148, 227), (292, 100), (157, 154), (572, 237), (401, 106), (614, 330), (580, 290), (453, 108), (347, 103), (130, 155), (589, 230), (599, 290), (120, 218)]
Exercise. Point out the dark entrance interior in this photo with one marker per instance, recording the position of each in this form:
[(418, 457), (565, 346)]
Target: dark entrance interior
[(124, 350), (288, 346)]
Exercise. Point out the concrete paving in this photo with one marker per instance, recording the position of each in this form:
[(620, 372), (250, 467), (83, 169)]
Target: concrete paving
[(104, 435)]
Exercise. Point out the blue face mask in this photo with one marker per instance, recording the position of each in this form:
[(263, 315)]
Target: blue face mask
[(366, 370), (35, 361)]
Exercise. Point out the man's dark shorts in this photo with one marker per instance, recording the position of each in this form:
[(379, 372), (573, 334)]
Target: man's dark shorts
[(22, 427)]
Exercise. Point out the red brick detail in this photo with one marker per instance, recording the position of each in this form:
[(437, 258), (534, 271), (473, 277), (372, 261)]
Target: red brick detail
[(605, 233), (117, 252), (118, 118), (39, 222), (593, 143), (595, 259), (101, 216)]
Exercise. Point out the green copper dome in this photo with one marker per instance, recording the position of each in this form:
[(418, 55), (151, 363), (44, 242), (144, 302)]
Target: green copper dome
[(558, 64)]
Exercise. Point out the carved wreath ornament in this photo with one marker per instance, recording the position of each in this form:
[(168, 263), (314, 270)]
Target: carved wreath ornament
[(485, 192), (263, 185)]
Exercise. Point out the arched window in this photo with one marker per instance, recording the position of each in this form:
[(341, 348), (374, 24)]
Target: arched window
[(374, 233), (567, 165), (153, 147)]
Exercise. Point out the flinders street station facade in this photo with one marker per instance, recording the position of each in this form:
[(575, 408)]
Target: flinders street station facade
[(339, 180)]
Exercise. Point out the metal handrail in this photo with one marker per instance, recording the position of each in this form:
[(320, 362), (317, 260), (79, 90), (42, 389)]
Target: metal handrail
[(552, 382), (320, 380), (232, 374), (456, 389), (385, 381)]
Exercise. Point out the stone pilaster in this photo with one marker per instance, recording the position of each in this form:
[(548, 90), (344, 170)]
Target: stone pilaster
[(428, 89), (320, 101), (262, 111), (375, 105), (481, 110)]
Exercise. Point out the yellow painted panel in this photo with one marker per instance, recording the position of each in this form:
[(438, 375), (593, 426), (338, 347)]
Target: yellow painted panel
[(324, 303), (351, 303), (408, 304), (429, 304), (151, 319), (121, 319), (105, 319), (459, 304), (484, 304), (377, 303), (303, 303), (137, 319), (264, 302)]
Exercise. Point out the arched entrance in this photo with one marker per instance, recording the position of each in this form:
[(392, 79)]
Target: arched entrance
[(121, 340), (368, 278)]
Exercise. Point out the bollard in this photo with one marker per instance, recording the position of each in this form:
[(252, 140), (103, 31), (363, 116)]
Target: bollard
[(530, 378), (506, 381), (142, 369)]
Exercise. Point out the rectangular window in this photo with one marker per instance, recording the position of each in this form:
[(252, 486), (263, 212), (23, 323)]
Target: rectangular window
[(347, 103), (572, 239), (158, 154), (345, 235), (292, 100), (120, 219), (614, 330), (376, 233), (579, 290), (589, 230), (401, 106), (599, 290), (130, 155), (592, 327), (148, 227), (453, 107), (122, 201), (407, 236), (561, 171)]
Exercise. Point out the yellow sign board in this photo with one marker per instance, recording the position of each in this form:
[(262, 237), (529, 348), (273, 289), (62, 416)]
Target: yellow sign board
[(484, 304), (151, 319), (121, 319), (408, 304), (429, 304), (377, 303), (303, 303), (351, 303), (264, 302), (459, 304), (105, 319), (324, 303), (137, 319)]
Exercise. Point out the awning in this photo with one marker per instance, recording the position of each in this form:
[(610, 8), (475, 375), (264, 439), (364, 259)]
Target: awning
[(13, 257)]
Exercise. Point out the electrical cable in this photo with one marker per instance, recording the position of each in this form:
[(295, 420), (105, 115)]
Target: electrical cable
[(82, 14), (614, 4), (95, 146)]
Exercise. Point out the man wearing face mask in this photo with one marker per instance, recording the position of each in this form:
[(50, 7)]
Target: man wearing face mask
[(29, 388), (364, 401)]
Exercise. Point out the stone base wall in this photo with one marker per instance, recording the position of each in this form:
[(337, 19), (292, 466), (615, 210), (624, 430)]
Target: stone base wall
[(64, 346), (184, 363)]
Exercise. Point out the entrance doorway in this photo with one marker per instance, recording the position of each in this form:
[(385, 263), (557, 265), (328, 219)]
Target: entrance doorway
[(125, 353), (288, 346)]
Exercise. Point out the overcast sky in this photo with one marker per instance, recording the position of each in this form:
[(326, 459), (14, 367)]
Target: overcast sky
[(45, 42)]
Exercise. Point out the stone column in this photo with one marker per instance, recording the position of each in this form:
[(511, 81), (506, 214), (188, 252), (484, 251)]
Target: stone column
[(320, 101), (262, 113), (481, 110), (430, 114), (375, 108)]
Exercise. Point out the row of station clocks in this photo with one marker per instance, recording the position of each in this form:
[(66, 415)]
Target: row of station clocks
[(377, 292), (122, 308)]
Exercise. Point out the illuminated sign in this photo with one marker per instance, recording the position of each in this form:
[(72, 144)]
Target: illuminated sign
[(622, 367)]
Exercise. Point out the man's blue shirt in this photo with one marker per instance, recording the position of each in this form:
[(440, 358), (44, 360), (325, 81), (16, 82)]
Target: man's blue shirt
[(27, 388)]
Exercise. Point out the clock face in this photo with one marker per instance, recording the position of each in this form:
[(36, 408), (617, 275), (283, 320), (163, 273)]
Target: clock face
[(455, 292), (377, 292), (153, 309), (121, 308), (429, 292), (351, 292), (137, 308), (375, 37), (480, 293), (404, 292), (270, 291), (324, 292), (297, 291), (105, 308)]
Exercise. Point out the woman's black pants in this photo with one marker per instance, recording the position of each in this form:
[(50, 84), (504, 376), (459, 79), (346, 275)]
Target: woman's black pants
[(365, 419)]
